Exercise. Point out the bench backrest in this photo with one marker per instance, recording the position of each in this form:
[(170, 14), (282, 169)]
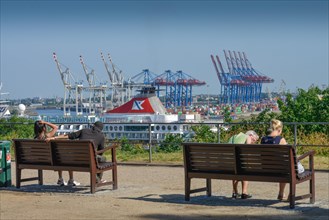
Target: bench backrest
[(72, 153), (29, 151), (239, 159), (55, 153)]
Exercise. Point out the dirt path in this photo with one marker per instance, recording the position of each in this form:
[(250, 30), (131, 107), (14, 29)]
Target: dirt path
[(148, 192)]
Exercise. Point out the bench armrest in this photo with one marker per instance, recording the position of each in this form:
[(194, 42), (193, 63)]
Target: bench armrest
[(107, 148), (310, 153)]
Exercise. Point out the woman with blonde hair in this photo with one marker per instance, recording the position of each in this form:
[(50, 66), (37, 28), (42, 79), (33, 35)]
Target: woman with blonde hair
[(274, 137)]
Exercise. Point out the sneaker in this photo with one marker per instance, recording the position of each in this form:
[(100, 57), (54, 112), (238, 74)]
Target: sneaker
[(101, 181), (61, 182), (246, 196), (73, 183)]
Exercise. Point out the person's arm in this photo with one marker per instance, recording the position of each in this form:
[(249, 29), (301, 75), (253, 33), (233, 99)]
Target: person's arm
[(283, 141), (53, 127), (63, 136), (248, 141)]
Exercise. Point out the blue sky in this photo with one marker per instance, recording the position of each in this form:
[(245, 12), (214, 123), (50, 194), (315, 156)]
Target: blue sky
[(286, 40)]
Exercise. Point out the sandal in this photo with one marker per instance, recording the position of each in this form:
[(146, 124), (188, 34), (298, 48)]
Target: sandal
[(235, 195), (282, 197), (246, 196)]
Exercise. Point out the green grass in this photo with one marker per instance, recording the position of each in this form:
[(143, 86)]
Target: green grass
[(320, 162), (157, 157)]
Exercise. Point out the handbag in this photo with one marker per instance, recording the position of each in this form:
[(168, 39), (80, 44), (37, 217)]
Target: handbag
[(300, 168)]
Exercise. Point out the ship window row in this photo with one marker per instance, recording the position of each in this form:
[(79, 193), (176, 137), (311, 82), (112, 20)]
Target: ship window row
[(166, 128), (142, 128), (137, 136)]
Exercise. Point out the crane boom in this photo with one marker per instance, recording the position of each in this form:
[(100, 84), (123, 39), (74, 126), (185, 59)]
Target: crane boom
[(107, 68), (221, 67), (217, 71), (229, 64), (88, 75), (114, 71)]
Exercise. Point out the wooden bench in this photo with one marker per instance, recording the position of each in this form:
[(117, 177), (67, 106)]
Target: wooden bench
[(65, 155), (264, 163)]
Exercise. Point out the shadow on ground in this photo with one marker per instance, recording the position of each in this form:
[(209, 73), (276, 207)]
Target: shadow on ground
[(36, 188), (303, 209)]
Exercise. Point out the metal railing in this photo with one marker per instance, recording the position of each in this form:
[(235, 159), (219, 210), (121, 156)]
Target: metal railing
[(151, 140)]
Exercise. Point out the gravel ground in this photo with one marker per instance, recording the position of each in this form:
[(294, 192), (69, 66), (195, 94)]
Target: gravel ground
[(154, 192)]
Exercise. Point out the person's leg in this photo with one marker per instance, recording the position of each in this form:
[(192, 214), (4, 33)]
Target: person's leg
[(60, 180), (235, 186), (245, 194), (71, 175), (235, 189), (71, 181), (60, 174), (281, 191), (99, 176)]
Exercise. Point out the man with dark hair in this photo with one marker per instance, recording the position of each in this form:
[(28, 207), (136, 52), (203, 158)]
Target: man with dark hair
[(95, 134)]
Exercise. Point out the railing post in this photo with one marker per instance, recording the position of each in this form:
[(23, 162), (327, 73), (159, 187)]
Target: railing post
[(150, 144), (218, 133), (295, 135)]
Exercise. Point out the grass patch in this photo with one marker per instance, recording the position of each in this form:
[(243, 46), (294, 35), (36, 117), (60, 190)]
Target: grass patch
[(157, 157), (320, 162)]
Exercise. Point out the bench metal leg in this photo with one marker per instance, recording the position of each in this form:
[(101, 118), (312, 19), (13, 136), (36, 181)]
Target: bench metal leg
[(40, 177), (18, 177), (292, 195), (208, 183), (92, 183), (115, 177), (187, 189), (312, 189)]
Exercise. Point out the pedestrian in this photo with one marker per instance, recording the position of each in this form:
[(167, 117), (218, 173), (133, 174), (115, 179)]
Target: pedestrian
[(250, 137), (274, 137), (40, 133), (95, 134)]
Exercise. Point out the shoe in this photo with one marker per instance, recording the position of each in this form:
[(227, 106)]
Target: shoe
[(235, 195), (283, 197), (61, 182), (246, 196), (73, 183), (101, 181)]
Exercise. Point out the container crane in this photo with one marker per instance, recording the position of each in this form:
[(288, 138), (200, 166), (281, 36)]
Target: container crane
[(97, 93), (72, 93)]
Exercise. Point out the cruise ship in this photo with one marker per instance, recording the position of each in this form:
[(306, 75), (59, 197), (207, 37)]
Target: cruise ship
[(137, 119)]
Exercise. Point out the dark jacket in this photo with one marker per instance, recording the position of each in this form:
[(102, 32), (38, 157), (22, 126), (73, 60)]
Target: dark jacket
[(93, 134)]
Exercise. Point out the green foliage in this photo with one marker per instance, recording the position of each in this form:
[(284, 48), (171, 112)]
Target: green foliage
[(307, 106), (203, 134), (171, 143), (16, 127), (227, 114), (129, 147)]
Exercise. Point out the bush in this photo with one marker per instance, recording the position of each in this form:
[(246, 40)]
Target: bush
[(171, 143), (203, 134), (129, 147)]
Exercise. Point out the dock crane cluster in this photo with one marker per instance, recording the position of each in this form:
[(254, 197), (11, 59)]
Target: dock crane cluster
[(106, 95), (242, 83), (177, 86)]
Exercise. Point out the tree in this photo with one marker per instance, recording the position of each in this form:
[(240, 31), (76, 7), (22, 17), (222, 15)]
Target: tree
[(203, 134), (307, 106), (16, 127)]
